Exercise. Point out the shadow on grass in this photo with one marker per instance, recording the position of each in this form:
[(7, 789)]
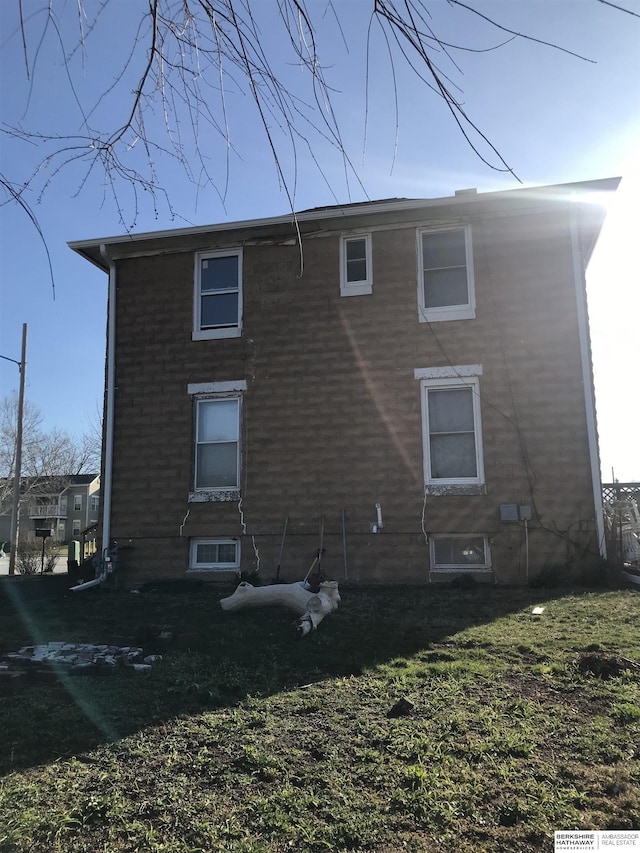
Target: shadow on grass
[(216, 660)]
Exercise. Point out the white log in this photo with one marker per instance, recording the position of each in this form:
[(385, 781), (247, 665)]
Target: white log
[(311, 607)]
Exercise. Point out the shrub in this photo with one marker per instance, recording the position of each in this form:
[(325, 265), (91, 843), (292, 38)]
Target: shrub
[(29, 555)]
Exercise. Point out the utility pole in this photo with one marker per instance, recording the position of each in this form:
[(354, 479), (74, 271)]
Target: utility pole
[(15, 514)]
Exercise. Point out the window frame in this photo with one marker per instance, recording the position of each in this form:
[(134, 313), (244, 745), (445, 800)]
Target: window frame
[(356, 288), (232, 331), (466, 311), (459, 567), (234, 490), (194, 566), (76, 527), (77, 503), (450, 384)]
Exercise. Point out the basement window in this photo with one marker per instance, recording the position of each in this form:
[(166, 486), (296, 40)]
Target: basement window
[(356, 275), (214, 555), (460, 551)]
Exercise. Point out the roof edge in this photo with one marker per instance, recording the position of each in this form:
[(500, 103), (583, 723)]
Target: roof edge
[(82, 247)]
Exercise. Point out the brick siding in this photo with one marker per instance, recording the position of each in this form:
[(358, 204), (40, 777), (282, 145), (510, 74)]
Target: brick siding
[(331, 417)]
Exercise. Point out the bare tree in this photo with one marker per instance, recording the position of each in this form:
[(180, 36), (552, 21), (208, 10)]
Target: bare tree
[(49, 458), (181, 68)]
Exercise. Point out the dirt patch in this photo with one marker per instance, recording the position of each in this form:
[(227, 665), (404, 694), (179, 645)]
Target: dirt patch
[(601, 665)]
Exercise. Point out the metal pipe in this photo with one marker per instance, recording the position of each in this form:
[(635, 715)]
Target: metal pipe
[(15, 511), (106, 481), (587, 381), (344, 543), (109, 403), (95, 582)]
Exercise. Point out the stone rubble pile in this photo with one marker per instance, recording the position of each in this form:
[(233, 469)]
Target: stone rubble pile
[(74, 659)]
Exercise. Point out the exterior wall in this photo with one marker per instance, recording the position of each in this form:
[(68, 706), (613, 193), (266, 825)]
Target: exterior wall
[(332, 414), (79, 516)]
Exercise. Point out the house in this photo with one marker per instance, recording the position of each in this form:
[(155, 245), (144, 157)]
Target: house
[(64, 504), (407, 381)]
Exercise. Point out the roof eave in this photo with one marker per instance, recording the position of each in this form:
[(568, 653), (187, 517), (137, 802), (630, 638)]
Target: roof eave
[(90, 249)]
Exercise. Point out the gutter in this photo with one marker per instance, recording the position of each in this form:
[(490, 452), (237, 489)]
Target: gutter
[(587, 381), (106, 482), (545, 194)]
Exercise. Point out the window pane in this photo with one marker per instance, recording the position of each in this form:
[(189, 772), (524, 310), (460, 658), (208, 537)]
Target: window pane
[(226, 552), (218, 420), (206, 553), (217, 466), (451, 410), (445, 287), (356, 270), (219, 273), (461, 551), (219, 310), (356, 250), (444, 249), (453, 456)]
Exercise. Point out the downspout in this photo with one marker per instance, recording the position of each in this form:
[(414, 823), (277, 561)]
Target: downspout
[(587, 381), (105, 484)]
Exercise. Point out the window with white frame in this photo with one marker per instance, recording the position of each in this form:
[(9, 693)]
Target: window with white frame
[(76, 526), (217, 464), (214, 554), (452, 434), (459, 551), (95, 503), (445, 275), (356, 274), (77, 503), (218, 295)]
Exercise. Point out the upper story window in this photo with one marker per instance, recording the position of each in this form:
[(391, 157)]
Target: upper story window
[(218, 295), (445, 275), (218, 444), (77, 503), (95, 503), (452, 433), (356, 274)]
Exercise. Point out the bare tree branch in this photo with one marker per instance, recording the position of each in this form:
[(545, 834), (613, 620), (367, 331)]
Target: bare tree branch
[(190, 62), (620, 8)]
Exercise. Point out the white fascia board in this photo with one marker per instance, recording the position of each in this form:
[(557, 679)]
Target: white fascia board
[(216, 387), (451, 371), (364, 209)]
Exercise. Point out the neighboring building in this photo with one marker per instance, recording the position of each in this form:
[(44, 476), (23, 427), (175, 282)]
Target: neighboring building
[(430, 356), (64, 504)]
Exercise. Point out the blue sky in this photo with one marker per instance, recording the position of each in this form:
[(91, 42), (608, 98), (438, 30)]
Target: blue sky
[(554, 118)]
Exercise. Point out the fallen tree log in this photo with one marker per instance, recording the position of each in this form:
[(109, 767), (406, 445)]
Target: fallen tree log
[(311, 607)]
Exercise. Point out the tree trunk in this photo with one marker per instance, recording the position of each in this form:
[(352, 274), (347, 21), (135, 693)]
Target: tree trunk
[(311, 607)]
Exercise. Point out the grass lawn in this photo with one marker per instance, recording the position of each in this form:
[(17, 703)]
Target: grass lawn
[(246, 739)]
